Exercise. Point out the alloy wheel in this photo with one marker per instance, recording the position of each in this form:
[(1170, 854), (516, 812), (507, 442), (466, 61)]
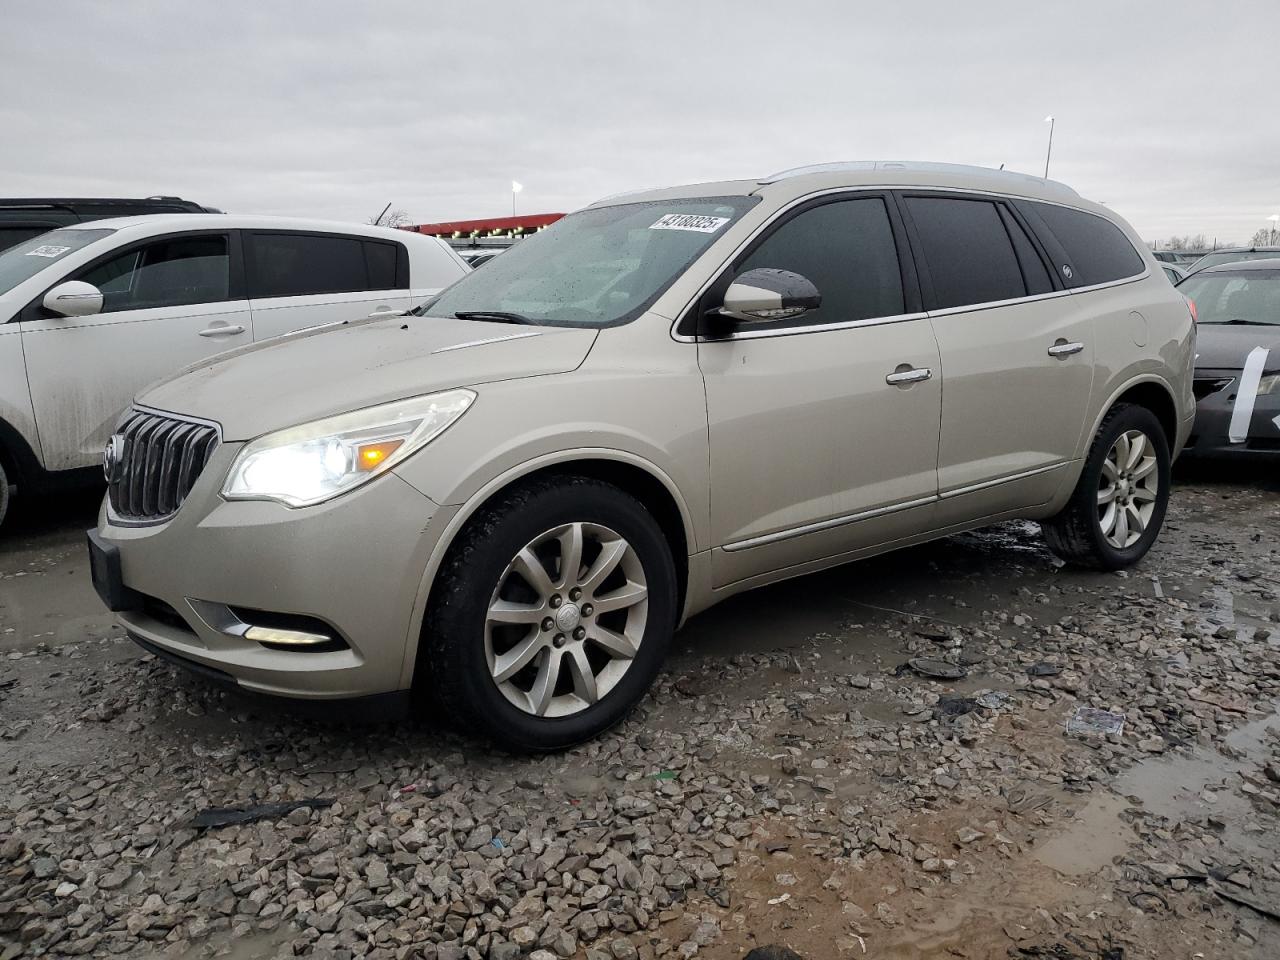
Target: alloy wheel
[(566, 619), (1128, 489)]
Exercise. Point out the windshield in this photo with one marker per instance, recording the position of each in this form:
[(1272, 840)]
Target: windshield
[(24, 261), (1246, 296), (1213, 259), (596, 268)]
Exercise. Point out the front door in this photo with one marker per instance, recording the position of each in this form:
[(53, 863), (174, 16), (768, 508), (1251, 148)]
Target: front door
[(166, 303), (813, 451)]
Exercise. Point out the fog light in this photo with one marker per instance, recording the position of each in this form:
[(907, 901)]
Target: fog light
[(288, 638)]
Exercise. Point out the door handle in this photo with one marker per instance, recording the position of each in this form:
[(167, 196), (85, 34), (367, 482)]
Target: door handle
[(905, 376), (222, 330), (1062, 349)]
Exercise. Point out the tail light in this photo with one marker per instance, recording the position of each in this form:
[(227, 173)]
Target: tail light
[(1191, 305)]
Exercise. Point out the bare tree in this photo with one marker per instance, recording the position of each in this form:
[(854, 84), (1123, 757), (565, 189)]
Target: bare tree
[(391, 218), (1263, 238)]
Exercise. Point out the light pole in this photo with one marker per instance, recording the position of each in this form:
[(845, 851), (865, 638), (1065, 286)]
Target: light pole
[(1273, 220), (515, 188), (1049, 151)]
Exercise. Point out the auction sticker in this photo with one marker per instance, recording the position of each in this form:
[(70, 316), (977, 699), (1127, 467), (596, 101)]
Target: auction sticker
[(48, 250), (689, 221)]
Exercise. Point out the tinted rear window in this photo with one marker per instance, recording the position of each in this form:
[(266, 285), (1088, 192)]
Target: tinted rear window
[(299, 265), (1098, 250), (967, 251)]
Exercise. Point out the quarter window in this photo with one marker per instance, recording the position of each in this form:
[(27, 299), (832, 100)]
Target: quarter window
[(846, 250), (1098, 250), (170, 273), (967, 250)]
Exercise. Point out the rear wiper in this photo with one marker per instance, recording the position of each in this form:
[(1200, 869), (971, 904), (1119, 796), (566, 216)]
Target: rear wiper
[(501, 316), (1242, 322)]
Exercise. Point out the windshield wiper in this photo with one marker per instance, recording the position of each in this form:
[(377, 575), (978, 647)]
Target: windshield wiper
[(501, 316), (1242, 321)]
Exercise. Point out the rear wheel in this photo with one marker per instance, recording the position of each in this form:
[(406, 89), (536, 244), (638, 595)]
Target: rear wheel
[(552, 614), (1118, 506)]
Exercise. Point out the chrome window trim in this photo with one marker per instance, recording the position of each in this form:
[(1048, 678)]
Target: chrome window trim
[(898, 318)]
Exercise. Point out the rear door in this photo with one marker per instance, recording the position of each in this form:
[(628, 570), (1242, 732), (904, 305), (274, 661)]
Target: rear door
[(1017, 354), (298, 279), (167, 302), (814, 452)]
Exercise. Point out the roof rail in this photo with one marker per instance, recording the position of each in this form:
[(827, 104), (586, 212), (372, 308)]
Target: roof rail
[(920, 166)]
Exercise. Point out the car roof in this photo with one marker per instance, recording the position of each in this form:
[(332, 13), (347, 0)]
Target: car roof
[(1271, 263), (859, 173), (1240, 250), (163, 222)]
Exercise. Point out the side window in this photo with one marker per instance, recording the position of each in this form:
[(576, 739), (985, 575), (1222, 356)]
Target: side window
[(299, 265), (381, 260), (169, 273), (967, 251), (1034, 273), (846, 249), (1098, 249)]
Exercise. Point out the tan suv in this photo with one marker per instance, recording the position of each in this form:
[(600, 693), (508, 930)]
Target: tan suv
[(511, 498)]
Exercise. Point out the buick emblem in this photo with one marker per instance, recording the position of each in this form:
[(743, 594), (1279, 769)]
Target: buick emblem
[(113, 458)]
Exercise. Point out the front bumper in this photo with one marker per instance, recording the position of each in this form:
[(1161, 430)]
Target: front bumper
[(1214, 411), (355, 564)]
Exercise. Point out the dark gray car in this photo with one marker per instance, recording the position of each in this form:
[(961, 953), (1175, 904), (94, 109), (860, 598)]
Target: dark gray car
[(1237, 378)]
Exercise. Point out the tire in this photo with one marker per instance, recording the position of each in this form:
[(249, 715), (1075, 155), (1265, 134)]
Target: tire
[(4, 494), (474, 661), (1083, 533)]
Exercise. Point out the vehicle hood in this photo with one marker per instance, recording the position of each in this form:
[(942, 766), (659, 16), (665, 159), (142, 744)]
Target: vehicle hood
[(347, 366), (1220, 346)]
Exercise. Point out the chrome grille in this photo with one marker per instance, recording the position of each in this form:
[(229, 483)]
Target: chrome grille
[(159, 460)]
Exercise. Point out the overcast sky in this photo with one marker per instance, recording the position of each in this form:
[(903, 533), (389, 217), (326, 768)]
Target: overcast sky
[(1166, 111)]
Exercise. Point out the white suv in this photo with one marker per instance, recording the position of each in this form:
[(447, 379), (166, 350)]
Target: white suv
[(90, 314)]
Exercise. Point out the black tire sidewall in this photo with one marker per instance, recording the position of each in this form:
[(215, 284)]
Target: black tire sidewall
[(459, 626), (1129, 418), (4, 494)]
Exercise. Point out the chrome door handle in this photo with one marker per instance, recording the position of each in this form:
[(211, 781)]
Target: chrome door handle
[(1061, 349), (225, 330), (900, 377)]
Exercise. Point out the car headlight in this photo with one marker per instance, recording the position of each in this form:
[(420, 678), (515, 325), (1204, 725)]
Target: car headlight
[(1269, 384), (316, 461)]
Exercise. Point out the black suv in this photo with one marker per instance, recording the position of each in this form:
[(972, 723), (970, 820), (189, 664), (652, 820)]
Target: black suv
[(23, 219)]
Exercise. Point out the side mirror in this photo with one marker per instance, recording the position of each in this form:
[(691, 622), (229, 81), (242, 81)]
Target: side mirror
[(74, 298), (766, 293)]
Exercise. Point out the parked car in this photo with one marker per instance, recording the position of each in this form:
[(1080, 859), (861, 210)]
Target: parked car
[(1165, 256), (1174, 272), (1233, 255), (1237, 377), (93, 312), (24, 218), (512, 497)]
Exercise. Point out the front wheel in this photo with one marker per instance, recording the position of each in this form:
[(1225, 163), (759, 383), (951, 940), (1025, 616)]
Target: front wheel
[(1118, 506), (4, 494), (551, 615)]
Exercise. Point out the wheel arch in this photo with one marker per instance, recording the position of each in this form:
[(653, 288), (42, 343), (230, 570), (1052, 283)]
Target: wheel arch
[(17, 457), (1152, 393), (634, 475)]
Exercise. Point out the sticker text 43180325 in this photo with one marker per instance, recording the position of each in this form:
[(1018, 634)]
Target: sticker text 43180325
[(689, 221)]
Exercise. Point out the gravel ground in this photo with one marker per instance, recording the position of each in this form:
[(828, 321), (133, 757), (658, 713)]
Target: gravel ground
[(791, 781)]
